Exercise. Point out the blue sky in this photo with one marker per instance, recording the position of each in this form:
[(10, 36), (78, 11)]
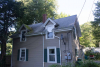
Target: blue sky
[(73, 7)]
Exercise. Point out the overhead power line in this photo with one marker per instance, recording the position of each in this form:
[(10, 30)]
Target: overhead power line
[(90, 11), (82, 8)]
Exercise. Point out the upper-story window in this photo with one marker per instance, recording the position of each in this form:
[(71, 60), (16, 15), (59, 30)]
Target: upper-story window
[(23, 38), (50, 32)]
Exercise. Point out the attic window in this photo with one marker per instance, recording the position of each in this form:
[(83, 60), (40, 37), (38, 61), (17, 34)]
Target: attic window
[(50, 32), (23, 38)]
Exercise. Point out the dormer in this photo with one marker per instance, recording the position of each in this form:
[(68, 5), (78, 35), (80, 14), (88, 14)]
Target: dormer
[(23, 30), (49, 26)]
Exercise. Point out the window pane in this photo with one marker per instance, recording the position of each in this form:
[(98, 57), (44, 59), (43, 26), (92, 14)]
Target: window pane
[(23, 53), (51, 57), (50, 34), (23, 35), (51, 51)]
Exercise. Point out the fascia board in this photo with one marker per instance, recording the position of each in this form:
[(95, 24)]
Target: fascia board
[(21, 27), (47, 22)]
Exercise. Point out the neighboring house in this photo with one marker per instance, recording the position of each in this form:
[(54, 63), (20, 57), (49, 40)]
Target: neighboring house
[(47, 43)]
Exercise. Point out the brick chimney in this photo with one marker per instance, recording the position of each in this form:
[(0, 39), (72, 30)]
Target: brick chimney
[(44, 18)]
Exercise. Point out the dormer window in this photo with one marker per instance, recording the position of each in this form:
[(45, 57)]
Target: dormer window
[(23, 38), (50, 32)]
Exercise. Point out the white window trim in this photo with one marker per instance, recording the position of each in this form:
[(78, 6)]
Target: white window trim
[(47, 31), (20, 54), (21, 36), (47, 35), (48, 55)]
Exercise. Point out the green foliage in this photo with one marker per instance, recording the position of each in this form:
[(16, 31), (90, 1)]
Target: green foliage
[(87, 39), (61, 15), (89, 64), (35, 9), (96, 23), (80, 64), (88, 53), (97, 56), (8, 48)]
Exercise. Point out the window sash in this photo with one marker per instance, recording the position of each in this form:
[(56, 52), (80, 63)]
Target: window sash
[(21, 37), (22, 57), (48, 50)]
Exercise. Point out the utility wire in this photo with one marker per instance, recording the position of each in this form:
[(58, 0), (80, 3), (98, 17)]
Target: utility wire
[(90, 11), (82, 8)]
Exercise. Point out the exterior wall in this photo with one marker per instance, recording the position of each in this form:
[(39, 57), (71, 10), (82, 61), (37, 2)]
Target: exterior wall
[(74, 47), (49, 23), (35, 52), (35, 46), (67, 48), (50, 43), (68, 38)]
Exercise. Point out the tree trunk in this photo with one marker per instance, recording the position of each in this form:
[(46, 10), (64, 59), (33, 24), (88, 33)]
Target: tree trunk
[(3, 53)]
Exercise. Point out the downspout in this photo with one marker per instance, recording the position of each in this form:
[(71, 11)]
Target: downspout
[(12, 55), (43, 50), (60, 48)]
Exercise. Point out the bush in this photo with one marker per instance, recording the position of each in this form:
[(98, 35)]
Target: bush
[(81, 64), (97, 56), (90, 64)]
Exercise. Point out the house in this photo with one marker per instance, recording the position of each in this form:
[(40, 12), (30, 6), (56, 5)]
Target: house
[(46, 43)]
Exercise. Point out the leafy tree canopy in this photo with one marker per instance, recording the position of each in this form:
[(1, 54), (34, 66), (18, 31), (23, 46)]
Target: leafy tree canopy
[(35, 9), (87, 38), (96, 23), (9, 12)]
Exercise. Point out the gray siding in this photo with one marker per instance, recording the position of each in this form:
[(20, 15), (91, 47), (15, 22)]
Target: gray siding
[(49, 23), (35, 54), (67, 48), (50, 43), (35, 46)]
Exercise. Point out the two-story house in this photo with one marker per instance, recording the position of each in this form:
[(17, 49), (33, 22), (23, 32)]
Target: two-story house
[(46, 43)]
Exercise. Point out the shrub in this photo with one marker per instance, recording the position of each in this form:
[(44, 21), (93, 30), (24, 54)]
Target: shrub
[(97, 56), (90, 64), (81, 64)]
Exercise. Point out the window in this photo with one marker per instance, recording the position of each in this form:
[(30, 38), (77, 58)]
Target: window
[(22, 54), (76, 52), (50, 32), (51, 55), (23, 38)]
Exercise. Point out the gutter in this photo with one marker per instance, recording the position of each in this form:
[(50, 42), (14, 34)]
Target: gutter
[(43, 51), (59, 47)]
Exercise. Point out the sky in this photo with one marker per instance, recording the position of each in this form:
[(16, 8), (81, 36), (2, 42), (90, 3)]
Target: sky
[(73, 7)]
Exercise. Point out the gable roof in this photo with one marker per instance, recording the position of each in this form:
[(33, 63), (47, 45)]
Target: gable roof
[(25, 26), (67, 22), (47, 21)]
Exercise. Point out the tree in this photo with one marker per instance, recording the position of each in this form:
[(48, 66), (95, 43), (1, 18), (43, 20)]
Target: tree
[(87, 39), (61, 15), (9, 11), (35, 9), (96, 23)]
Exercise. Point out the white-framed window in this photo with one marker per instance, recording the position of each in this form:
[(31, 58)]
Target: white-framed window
[(22, 37), (22, 56), (50, 32), (51, 55)]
